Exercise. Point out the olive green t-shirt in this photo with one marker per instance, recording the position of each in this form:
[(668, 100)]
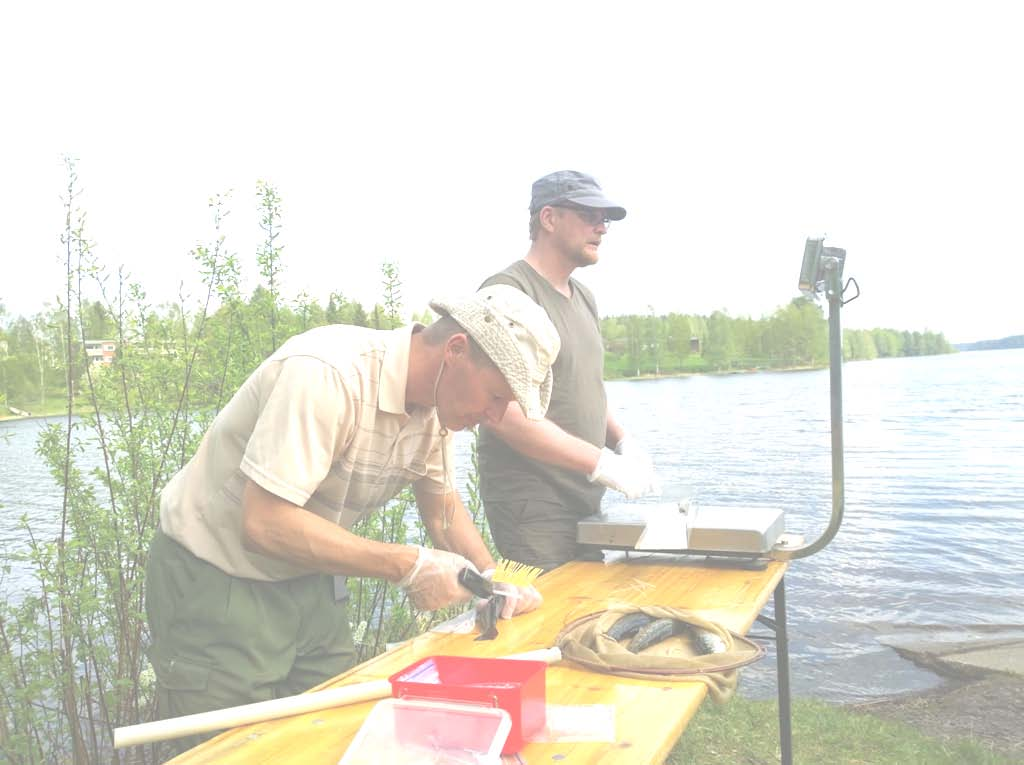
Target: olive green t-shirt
[(578, 402)]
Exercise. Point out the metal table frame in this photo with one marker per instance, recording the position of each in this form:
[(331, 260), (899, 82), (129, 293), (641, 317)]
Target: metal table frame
[(777, 623)]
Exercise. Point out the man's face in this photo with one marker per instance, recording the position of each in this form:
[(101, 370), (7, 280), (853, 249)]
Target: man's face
[(578, 232), (469, 392)]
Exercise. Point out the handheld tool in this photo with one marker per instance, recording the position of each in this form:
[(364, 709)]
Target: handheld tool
[(487, 613)]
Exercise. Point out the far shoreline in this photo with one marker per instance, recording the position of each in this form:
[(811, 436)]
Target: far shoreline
[(7, 417), (632, 378), (718, 372)]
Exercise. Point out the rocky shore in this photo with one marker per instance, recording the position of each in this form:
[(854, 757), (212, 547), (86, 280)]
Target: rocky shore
[(982, 697)]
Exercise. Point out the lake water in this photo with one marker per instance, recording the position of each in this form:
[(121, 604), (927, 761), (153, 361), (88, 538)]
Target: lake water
[(932, 545)]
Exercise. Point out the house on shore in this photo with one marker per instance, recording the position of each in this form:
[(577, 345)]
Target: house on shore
[(101, 351)]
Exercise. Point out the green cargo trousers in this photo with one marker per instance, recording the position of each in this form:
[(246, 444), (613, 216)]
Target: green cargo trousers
[(219, 641), (536, 532)]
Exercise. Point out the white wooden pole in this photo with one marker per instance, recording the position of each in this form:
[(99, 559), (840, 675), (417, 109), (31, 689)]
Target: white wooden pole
[(219, 719)]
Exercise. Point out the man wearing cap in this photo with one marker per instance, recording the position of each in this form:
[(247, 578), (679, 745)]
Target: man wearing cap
[(242, 595), (539, 477)]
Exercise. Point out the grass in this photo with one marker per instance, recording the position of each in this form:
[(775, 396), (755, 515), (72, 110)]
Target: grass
[(745, 732), (51, 407)]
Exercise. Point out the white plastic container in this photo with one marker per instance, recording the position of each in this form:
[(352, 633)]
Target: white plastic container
[(427, 732)]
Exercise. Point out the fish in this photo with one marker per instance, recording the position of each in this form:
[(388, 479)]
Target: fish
[(628, 625), (705, 641), (487, 614), (654, 632)]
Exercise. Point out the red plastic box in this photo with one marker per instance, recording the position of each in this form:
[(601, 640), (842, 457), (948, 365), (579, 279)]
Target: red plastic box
[(515, 685)]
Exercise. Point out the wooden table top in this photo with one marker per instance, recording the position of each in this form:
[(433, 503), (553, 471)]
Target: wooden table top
[(649, 715)]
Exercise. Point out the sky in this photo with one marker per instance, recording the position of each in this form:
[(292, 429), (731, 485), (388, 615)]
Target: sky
[(411, 132)]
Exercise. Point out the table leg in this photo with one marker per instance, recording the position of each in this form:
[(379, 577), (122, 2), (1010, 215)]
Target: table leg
[(777, 623), (782, 670)]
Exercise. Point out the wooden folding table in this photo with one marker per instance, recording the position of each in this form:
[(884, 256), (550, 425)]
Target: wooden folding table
[(649, 715)]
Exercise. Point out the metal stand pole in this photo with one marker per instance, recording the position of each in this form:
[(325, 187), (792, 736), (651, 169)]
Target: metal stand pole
[(834, 293), (782, 671), (835, 376)]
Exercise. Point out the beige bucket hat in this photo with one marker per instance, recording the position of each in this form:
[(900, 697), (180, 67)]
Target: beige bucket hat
[(516, 334)]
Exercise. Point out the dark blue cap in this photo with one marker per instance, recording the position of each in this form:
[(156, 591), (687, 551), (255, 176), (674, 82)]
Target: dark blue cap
[(569, 186)]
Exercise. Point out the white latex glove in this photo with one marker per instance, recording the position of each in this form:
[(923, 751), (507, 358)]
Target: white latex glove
[(432, 582), (632, 476), (633, 449), (630, 447), (518, 600)]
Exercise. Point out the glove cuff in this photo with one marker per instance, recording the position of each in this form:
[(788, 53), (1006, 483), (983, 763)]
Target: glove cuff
[(595, 476), (406, 580)]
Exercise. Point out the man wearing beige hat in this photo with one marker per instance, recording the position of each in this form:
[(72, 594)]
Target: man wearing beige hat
[(242, 596), (539, 477)]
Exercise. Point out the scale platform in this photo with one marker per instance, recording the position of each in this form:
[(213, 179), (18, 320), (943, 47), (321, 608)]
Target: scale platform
[(689, 528)]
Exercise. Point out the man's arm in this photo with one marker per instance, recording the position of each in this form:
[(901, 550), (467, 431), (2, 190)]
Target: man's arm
[(544, 441), (277, 528), (614, 433), (461, 536)]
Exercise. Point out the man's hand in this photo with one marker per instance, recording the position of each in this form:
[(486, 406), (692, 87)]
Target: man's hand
[(633, 476), (432, 582), (630, 447), (518, 600)]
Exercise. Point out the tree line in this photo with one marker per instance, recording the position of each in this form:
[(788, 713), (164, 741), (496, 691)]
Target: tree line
[(34, 375), (793, 336), (32, 350), (41, 362)]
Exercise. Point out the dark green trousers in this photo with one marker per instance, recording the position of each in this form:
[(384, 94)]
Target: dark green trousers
[(536, 532), (219, 641)]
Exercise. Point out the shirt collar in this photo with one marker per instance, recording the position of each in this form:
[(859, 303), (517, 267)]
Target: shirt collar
[(394, 372)]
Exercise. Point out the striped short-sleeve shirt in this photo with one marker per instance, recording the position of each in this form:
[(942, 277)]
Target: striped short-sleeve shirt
[(323, 424)]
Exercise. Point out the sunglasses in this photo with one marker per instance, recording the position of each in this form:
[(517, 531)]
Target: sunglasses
[(590, 216)]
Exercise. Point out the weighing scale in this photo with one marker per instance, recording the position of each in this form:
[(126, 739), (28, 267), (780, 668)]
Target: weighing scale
[(689, 528), (753, 533)]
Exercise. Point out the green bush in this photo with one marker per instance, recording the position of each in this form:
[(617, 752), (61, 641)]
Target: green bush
[(72, 664)]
